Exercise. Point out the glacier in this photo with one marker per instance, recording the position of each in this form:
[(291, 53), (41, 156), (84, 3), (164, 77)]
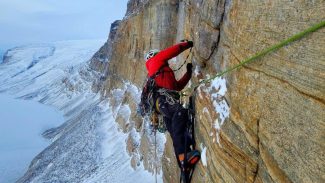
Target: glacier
[(88, 146)]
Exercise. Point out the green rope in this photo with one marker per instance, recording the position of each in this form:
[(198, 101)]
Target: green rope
[(264, 52)]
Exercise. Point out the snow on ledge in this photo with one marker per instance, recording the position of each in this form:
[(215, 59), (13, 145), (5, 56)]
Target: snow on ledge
[(203, 155)]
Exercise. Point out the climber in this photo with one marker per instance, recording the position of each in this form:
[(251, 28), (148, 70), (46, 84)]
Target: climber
[(166, 98)]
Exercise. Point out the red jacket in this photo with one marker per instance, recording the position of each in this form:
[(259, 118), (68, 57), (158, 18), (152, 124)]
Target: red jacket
[(167, 79)]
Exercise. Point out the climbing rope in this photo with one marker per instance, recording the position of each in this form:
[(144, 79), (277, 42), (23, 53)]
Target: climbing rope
[(262, 53), (155, 133)]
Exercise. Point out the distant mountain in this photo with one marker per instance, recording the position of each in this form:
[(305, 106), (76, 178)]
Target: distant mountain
[(88, 147), (1, 55)]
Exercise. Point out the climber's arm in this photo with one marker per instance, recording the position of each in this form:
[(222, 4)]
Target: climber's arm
[(173, 51), (156, 62), (185, 79)]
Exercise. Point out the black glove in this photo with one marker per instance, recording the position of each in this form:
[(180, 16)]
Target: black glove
[(190, 43), (189, 67)]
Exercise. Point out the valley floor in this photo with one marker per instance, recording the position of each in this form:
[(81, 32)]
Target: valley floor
[(22, 123)]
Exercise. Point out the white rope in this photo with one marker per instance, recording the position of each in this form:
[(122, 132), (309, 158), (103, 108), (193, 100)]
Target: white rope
[(155, 156)]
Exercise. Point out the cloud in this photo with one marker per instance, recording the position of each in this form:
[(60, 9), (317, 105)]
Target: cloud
[(34, 21), (10, 7)]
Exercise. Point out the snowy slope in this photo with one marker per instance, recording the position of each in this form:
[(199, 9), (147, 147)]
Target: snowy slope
[(22, 123), (1, 54), (58, 75)]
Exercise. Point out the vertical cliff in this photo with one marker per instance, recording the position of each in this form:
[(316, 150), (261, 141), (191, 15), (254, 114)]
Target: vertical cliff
[(261, 123)]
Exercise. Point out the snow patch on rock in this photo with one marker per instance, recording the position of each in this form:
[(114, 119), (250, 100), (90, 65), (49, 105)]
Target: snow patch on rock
[(203, 155), (216, 92)]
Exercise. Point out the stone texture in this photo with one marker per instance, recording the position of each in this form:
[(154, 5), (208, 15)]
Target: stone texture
[(275, 130), (101, 58)]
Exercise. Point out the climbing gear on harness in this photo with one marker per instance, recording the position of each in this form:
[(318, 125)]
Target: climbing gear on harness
[(151, 54), (147, 97), (161, 125), (157, 106), (157, 122), (172, 97), (154, 119), (146, 105)]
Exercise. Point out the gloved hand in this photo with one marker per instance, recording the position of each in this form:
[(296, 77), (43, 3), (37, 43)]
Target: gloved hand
[(190, 43), (189, 67)]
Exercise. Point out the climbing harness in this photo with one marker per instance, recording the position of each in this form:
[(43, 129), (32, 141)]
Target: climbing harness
[(172, 97), (262, 53)]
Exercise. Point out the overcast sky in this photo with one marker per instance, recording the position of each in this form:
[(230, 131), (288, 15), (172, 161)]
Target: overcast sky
[(35, 21)]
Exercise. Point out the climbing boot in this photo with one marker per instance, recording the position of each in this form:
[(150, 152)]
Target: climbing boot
[(192, 158), (187, 169)]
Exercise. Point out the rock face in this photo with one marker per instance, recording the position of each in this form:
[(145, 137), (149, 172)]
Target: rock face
[(99, 61), (261, 123)]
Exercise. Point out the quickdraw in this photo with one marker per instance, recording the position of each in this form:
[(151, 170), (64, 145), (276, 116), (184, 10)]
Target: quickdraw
[(171, 100)]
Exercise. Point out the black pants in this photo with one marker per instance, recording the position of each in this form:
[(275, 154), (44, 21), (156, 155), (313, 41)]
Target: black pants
[(175, 118)]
